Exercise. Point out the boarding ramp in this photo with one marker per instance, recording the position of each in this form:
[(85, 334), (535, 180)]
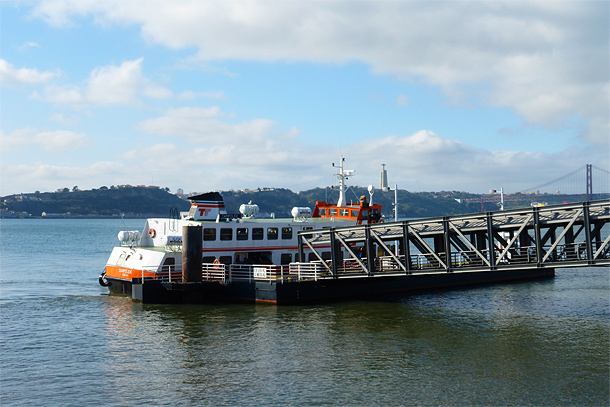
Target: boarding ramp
[(571, 235)]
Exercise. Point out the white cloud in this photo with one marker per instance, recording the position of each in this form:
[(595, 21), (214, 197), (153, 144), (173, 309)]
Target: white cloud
[(16, 139), (201, 125), (30, 44), (546, 60), (121, 84), (68, 94), (60, 118), (45, 177), (10, 75), (190, 95), (107, 85), (402, 100), (423, 161), (60, 140), (52, 141)]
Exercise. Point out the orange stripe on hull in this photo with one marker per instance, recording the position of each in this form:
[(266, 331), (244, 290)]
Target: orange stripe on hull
[(273, 302), (125, 273)]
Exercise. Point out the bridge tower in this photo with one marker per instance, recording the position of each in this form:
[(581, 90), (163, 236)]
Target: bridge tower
[(589, 181)]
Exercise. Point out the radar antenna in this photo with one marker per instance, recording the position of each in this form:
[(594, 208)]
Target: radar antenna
[(343, 175)]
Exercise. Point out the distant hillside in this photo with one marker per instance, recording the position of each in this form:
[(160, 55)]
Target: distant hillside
[(154, 201), (130, 201)]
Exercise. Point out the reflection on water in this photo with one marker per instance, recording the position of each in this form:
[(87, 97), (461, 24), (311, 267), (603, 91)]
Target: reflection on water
[(490, 346), (479, 348)]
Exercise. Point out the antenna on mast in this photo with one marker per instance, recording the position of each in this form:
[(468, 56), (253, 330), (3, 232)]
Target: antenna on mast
[(343, 175)]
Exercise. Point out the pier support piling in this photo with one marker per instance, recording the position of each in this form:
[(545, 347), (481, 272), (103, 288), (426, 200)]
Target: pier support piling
[(192, 248)]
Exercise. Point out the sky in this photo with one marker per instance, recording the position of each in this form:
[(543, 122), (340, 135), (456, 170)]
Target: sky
[(220, 95)]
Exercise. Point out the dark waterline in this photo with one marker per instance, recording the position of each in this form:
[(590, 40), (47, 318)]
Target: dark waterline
[(66, 342)]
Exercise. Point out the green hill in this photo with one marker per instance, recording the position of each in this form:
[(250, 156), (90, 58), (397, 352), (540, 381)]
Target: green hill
[(129, 201), (154, 201)]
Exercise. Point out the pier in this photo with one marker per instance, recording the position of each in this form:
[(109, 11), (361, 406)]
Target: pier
[(407, 256), (573, 235)]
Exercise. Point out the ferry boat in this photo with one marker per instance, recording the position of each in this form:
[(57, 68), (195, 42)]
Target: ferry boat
[(233, 245)]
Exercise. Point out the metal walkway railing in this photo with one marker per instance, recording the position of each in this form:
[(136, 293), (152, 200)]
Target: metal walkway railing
[(572, 235)]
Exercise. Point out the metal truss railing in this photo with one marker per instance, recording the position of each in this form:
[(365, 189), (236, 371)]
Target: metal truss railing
[(571, 235)]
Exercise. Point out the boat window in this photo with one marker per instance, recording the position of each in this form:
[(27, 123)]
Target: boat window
[(355, 214), (170, 261), (307, 227), (332, 212), (242, 234), (344, 212), (208, 259), (226, 234), (322, 212), (365, 214), (272, 233), (375, 215), (121, 259), (257, 234), (313, 257), (286, 258), (326, 256), (226, 260), (209, 234), (287, 233)]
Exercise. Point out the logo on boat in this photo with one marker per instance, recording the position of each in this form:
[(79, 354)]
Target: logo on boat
[(260, 272), (125, 272)]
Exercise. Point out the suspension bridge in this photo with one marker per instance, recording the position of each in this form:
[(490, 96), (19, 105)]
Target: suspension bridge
[(587, 183), (586, 180)]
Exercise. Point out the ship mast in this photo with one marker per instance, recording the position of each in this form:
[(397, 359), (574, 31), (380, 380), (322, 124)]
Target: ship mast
[(343, 175)]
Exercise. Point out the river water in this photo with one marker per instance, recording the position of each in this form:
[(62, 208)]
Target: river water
[(66, 342)]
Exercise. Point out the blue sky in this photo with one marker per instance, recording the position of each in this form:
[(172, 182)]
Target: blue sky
[(202, 95)]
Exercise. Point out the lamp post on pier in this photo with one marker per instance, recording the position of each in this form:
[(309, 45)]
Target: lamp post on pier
[(493, 191), (385, 187)]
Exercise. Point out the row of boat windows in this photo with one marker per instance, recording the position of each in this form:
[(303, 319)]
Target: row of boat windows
[(286, 233), (353, 213)]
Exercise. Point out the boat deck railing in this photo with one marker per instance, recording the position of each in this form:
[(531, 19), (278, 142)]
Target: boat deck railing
[(173, 273), (250, 272)]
